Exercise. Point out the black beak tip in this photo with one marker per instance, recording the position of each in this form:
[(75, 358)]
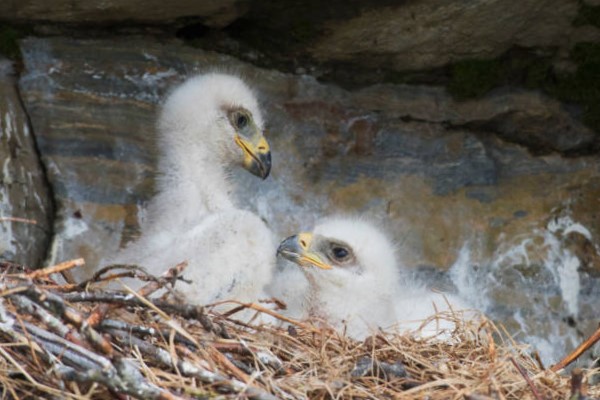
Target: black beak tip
[(266, 164)]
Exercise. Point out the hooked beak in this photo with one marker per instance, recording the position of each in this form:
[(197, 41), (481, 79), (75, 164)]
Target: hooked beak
[(257, 154), (297, 250)]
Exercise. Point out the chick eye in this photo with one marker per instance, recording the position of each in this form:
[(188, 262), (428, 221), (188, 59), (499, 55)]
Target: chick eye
[(340, 253), (241, 121)]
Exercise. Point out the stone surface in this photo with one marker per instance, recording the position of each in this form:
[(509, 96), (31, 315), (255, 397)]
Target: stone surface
[(213, 12), (373, 34), (442, 175), (26, 208), (431, 33)]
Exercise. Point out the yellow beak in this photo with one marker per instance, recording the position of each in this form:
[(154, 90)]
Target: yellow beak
[(257, 154)]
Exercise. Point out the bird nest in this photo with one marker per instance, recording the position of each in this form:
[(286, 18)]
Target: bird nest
[(80, 341)]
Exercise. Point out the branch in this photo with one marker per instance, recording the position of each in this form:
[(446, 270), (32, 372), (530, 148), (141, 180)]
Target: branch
[(164, 359), (125, 378), (67, 265), (534, 390), (17, 219), (262, 309), (54, 324), (582, 348), (85, 366), (99, 313)]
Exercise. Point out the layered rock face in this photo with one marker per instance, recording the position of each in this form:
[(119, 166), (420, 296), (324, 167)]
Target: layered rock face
[(441, 172)]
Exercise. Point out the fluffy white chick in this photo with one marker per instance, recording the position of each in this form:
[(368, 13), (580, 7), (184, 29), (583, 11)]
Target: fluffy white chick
[(208, 125), (352, 280)]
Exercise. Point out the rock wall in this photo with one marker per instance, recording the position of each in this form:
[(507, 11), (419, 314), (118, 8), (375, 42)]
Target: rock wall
[(26, 207), (439, 171)]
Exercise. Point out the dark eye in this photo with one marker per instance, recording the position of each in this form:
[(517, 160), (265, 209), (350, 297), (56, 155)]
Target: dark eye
[(340, 253), (241, 121)]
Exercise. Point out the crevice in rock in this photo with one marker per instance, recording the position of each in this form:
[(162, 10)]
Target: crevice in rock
[(539, 143), (52, 207)]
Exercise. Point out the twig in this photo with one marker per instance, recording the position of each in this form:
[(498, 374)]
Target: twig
[(169, 321), (27, 376), (164, 359), (13, 290), (12, 265), (56, 305), (124, 326), (120, 376), (99, 313), (187, 311), (124, 379), (169, 276), (67, 265), (131, 271), (68, 351), (577, 388), (238, 373), (534, 390), (17, 219), (53, 323), (272, 313), (17, 366), (574, 355)]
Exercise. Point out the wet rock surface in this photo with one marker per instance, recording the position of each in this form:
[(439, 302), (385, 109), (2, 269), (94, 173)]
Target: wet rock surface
[(26, 208)]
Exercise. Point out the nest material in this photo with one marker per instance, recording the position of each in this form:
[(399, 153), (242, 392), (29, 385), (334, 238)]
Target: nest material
[(84, 342)]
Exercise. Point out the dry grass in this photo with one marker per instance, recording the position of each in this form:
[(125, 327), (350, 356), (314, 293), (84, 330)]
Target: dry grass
[(114, 346)]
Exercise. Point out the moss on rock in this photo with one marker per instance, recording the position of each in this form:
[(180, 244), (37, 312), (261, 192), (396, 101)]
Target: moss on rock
[(9, 46), (587, 15), (582, 86), (533, 69), (474, 78)]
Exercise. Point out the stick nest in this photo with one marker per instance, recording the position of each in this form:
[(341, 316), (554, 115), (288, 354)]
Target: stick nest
[(80, 341)]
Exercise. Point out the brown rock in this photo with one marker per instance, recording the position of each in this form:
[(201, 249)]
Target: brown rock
[(431, 33), (214, 12)]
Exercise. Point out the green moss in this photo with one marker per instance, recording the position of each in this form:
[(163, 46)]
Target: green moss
[(473, 78), (303, 31), (587, 15), (9, 46), (518, 67), (534, 70), (582, 86)]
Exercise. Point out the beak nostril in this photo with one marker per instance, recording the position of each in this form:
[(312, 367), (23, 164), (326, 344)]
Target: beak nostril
[(262, 148), (303, 243)]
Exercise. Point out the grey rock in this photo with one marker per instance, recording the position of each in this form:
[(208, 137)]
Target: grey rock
[(368, 367), (26, 208)]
